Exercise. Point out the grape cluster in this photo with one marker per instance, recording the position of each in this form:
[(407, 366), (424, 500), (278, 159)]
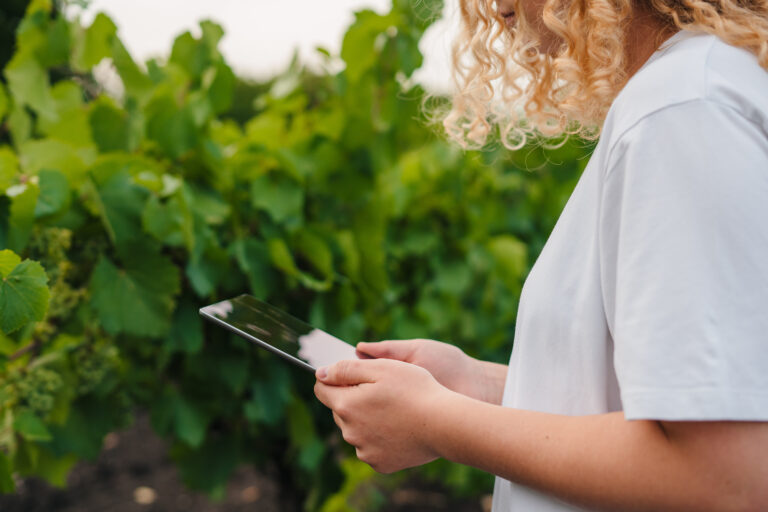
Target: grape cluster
[(92, 365), (49, 246), (8, 394), (64, 298), (37, 389)]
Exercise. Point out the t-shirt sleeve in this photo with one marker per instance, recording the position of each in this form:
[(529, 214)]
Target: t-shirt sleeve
[(684, 264)]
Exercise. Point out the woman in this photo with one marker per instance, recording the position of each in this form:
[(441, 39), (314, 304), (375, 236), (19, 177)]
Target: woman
[(639, 375)]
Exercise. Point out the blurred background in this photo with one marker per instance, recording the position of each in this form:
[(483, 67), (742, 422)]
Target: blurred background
[(261, 37), (158, 156)]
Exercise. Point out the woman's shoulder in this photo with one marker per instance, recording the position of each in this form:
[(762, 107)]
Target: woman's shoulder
[(693, 68)]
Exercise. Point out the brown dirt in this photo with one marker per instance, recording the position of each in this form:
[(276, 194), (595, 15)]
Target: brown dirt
[(134, 474)]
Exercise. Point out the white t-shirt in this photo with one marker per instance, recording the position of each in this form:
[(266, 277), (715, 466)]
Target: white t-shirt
[(651, 293)]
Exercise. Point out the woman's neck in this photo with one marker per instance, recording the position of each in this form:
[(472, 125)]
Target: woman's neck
[(645, 34)]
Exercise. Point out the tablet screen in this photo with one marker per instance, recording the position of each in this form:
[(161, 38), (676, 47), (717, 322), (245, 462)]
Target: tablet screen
[(278, 332)]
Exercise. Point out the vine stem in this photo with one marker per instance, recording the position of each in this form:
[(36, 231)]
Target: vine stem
[(24, 350)]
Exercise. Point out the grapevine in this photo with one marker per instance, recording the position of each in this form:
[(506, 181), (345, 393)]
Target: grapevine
[(92, 365), (37, 389)]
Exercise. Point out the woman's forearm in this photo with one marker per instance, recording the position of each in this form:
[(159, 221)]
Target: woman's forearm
[(491, 378), (602, 462)]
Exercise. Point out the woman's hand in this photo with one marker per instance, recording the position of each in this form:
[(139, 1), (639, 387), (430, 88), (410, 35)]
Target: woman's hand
[(447, 363), (383, 408)]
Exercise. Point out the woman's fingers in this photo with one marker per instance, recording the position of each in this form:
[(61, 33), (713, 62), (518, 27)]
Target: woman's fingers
[(391, 349), (349, 372)]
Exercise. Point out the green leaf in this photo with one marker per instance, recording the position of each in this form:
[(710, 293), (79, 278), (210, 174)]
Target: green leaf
[(22, 218), (111, 126), (369, 234), (170, 220), (281, 256), (136, 83), (351, 265), (54, 50), (54, 193), (283, 259), (20, 124), (453, 278), (212, 33), (191, 423), (7, 484), (268, 400), (8, 261), (252, 257), (219, 81), (209, 466), (208, 263), (29, 85), (88, 421), (234, 369), (36, 155), (311, 454), (422, 13), (71, 124), (30, 426), (96, 44), (9, 167), (3, 102), (120, 202), (301, 431), (186, 329), (208, 205), (357, 49), (315, 250), (278, 195), (138, 298), (409, 56), (54, 469), (172, 127), (26, 457), (23, 292), (191, 55), (40, 5), (511, 256)]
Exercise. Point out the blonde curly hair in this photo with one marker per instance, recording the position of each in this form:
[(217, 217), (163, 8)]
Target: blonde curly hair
[(503, 80)]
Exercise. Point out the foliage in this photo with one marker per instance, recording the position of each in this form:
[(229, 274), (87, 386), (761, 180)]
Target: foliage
[(121, 216), (11, 13)]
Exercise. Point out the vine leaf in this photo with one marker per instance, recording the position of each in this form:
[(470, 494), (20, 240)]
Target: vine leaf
[(31, 427), (138, 298), (23, 291), (6, 475)]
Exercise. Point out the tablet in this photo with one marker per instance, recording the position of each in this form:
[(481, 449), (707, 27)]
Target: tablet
[(275, 330)]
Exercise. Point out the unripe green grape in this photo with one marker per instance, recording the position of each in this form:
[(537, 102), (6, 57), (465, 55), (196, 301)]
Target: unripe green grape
[(8, 394), (64, 298), (37, 388), (92, 365)]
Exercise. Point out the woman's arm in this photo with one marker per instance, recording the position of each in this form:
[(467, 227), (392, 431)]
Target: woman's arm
[(608, 463), (397, 416), (447, 363)]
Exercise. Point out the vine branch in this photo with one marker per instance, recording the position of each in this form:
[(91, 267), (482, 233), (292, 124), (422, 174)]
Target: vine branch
[(24, 350)]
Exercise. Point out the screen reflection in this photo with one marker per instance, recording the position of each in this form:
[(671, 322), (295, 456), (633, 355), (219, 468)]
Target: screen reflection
[(279, 332)]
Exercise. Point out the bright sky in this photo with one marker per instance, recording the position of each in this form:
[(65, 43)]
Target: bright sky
[(261, 35)]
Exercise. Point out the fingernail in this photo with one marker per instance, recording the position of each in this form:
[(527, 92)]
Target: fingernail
[(322, 372)]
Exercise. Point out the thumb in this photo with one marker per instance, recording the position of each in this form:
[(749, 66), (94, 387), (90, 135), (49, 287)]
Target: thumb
[(392, 349), (349, 372)]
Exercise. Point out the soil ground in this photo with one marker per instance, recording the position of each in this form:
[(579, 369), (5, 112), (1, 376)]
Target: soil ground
[(134, 474)]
